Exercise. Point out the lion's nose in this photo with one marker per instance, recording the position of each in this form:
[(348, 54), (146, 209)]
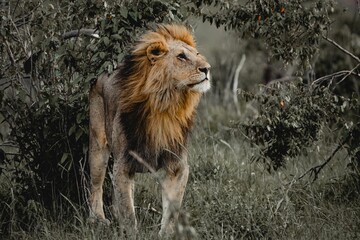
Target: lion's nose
[(204, 70)]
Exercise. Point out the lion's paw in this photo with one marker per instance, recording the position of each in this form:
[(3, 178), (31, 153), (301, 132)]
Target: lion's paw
[(95, 220)]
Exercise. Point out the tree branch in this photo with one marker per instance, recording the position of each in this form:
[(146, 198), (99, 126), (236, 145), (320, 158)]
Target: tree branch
[(338, 74), (342, 49), (84, 31), (314, 171), (349, 73)]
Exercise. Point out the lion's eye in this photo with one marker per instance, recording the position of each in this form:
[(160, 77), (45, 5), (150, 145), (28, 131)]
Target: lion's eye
[(182, 56)]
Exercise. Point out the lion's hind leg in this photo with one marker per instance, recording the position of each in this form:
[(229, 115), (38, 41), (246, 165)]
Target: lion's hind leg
[(98, 155)]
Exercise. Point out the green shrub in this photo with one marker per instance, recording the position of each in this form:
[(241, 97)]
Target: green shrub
[(293, 116)]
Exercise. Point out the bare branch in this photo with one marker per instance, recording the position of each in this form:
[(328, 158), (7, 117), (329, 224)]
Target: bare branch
[(149, 209), (314, 171), (236, 77), (342, 49), (332, 76), (84, 31), (142, 161), (11, 55), (349, 73)]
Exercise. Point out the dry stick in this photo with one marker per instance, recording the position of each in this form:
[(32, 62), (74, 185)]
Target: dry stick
[(236, 82), (340, 73), (349, 73), (142, 161), (149, 209), (342, 49), (316, 170), (75, 33), (336, 75), (11, 55)]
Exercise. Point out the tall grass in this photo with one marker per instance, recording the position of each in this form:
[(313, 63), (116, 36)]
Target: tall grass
[(228, 196)]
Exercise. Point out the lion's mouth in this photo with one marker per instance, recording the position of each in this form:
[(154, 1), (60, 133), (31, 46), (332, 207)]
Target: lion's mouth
[(194, 84)]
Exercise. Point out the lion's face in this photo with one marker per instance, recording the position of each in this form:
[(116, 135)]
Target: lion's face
[(181, 64)]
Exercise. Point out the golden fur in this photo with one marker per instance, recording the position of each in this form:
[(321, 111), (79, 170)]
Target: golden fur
[(147, 106), (170, 113)]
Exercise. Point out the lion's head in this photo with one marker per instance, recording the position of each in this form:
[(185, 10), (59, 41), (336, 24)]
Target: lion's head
[(164, 76), (172, 54), (165, 61)]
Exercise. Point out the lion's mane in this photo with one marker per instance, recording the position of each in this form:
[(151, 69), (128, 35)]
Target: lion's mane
[(156, 119)]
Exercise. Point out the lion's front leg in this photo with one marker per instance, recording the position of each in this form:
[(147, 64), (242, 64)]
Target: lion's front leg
[(174, 185), (124, 194)]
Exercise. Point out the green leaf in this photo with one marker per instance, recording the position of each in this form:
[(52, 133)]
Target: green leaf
[(72, 130), (124, 12), (106, 41), (116, 36), (102, 55), (78, 134), (64, 157)]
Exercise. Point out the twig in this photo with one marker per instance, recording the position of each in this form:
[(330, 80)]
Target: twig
[(152, 170), (236, 82), (4, 83), (84, 31), (13, 154), (236, 77), (143, 162), (336, 75), (349, 73), (149, 209), (316, 170), (11, 55), (8, 144), (342, 49)]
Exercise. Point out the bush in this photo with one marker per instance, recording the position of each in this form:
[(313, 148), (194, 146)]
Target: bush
[(44, 102), (293, 116)]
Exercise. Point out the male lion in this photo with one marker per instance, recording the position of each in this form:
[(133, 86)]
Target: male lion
[(147, 106)]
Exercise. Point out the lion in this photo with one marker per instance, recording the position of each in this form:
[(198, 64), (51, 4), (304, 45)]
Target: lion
[(147, 106)]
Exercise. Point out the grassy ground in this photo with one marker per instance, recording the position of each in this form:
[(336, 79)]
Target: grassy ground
[(230, 197)]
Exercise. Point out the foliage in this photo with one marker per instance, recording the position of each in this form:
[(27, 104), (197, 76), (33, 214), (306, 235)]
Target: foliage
[(45, 96), (292, 117), (292, 30)]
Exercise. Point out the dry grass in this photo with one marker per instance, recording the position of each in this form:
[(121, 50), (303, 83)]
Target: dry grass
[(229, 197)]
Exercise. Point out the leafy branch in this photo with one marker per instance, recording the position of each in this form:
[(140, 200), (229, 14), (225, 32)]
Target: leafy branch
[(344, 74)]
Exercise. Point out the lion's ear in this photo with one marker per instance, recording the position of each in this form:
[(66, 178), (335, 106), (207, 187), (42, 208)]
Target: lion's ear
[(155, 51)]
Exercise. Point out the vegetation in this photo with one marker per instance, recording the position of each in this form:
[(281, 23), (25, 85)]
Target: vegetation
[(249, 176)]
